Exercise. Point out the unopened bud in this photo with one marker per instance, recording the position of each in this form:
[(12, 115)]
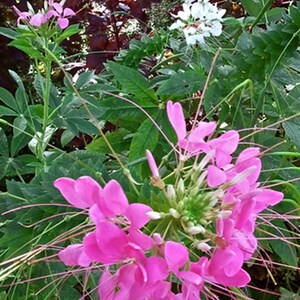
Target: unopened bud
[(225, 214), (180, 188), (171, 192), (196, 229), (157, 239), (203, 247), (153, 215), (174, 213)]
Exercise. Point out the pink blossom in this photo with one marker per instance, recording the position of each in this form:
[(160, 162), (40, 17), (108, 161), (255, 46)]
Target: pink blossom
[(22, 15), (61, 14), (74, 255), (37, 20), (152, 164), (194, 142), (81, 193)]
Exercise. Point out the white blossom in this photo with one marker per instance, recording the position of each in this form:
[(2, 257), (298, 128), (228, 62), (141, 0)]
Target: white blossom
[(198, 20)]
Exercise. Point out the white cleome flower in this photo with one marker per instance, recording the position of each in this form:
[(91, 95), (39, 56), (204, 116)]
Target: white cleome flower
[(198, 20)]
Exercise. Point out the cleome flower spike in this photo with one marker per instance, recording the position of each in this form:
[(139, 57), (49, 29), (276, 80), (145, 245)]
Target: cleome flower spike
[(216, 210)]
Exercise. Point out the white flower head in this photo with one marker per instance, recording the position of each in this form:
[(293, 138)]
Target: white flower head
[(198, 20)]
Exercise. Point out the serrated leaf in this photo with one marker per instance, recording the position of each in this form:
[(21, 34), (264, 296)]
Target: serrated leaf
[(132, 82), (3, 144), (292, 130), (145, 138), (7, 98), (286, 251), (116, 139), (84, 79), (20, 124), (182, 84), (5, 111), (9, 33)]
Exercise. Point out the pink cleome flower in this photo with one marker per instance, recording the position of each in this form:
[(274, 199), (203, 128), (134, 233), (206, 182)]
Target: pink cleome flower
[(58, 12)]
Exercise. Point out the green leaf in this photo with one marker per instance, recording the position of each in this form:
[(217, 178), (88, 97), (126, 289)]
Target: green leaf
[(3, 144), (69, 31), (20, 124), (7, 98), (145, 138), (117, 139), (182, 84), (286, 251), (132, 82), (26, 47), (4, 163), (84, 79), (253, 7), (5, 111), (21, 95), (292, 129), (18, 143), (9, 33)]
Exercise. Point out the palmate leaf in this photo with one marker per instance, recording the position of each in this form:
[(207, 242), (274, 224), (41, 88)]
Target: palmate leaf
[(133, 82), (145, 138), (182, 84)]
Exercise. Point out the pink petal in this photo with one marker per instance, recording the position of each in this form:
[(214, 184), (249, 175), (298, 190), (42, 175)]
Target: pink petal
[(37, 20), (267, 197), (141, 239), (111, 240), (156, 268), (68, 12), (96, 215), (136, 215), (63, 23), (202, 130), (74, 255), (57, 7), (227, 142), (113, 201), (215, 176), (106, 286), (247, 154), (152, 164), (92, 250), (240, 279), (176, 255), (176, 118), (191, 277), (81, 193), (222, 158), (51, 13)]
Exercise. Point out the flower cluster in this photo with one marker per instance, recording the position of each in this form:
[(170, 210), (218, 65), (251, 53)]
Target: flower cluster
[(198, 20), (208, 221), (55, 11)]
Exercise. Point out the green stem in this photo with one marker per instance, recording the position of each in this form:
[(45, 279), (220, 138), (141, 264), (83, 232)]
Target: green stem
[(46, 97)]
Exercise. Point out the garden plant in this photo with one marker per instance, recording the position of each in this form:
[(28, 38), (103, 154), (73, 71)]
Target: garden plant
[(151, 150)]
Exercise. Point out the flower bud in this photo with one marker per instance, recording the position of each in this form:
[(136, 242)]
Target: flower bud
[(196, 229), (171, 192), (174, 213), (154, 215), (203, 247), (180, 188), (158, 240)]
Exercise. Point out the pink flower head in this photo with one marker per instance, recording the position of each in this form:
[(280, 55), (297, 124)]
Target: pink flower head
[(61, 14), (81, 193), (152, 164), (37, 20), (22, 15), (194, 142), (74, 255)]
